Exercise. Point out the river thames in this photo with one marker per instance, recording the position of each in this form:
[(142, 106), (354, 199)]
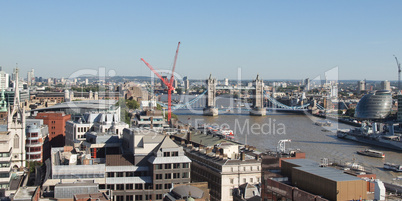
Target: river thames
[(316, 141)]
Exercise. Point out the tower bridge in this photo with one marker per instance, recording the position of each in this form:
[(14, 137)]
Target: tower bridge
[(258, 96)]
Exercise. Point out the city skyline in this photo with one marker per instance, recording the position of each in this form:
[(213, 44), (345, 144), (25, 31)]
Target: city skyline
[(277, 40)]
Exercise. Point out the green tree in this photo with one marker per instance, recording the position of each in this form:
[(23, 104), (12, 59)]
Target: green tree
[(132, 104), (350, 112)]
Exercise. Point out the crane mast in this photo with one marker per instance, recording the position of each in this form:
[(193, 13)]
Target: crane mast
[(399, 74), (168, 83)]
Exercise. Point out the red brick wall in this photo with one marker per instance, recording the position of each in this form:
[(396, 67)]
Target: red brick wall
[(57, 127)]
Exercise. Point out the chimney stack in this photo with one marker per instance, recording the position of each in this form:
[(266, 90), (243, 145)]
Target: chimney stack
[(242, 156), (188, 137)]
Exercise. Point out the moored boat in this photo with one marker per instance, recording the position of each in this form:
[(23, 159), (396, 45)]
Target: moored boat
[(394, 167), (372, 153)]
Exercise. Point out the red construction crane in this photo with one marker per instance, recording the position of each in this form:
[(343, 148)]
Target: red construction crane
[(168, 83)]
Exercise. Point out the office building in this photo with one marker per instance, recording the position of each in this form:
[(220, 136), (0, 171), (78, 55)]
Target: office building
[(97, 122)]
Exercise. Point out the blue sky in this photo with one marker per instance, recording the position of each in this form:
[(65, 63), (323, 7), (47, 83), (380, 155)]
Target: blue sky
[(276, 39)]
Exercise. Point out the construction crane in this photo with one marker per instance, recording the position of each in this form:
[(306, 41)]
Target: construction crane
[(399, 74), (168, 83)]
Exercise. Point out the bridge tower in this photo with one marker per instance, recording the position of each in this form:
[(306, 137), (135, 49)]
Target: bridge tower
[(210, 105), (258, 98)]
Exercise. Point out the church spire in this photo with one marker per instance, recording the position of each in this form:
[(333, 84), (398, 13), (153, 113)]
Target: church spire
[(16, 89)]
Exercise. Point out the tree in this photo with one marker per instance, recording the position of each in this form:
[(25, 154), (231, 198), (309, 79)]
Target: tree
[(350, 112), (132, 104)]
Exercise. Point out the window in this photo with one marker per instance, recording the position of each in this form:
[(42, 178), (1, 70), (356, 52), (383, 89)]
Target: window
[(231, 169), (175, 153), (185, 165), (231, 192), (110, 174), (168, 166), (244, 168), (120, 174), (129, 186), (119, 186), (158, 176), (176, 175), (138, 186), (129, 198), (168, 186), (159, 196), (166, 154), (110, 187), (251, 168), (176, 165), (168, 176), (138, 197), (244, 180), (258, 179), (16, 141), (184, 175), (158, 186), (251, 180), (148, 197), (119, 197), (231, 181)]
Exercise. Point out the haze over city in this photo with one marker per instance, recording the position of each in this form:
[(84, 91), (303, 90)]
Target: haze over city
[(278, 40)]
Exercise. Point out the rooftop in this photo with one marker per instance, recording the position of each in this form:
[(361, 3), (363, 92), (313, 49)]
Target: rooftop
[(328, 173), (95, 196), (220, 160), (90, 104), (25, 193), (119, 160)]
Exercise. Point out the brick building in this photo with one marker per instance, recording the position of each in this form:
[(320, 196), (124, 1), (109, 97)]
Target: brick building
[(57, 126)]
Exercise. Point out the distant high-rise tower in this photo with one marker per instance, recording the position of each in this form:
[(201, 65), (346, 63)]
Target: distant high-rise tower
[(186, 83), (163, 85), (175, 83), (334, 91), (4, 80), (386, 85), (31, 77), (307, 84), (361, 86), (226, 82)]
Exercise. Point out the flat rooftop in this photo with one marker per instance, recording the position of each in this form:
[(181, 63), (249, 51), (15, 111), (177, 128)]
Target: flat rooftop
[(93, 196), (90, 104), (328, 173), (25, 193), (218, 160), (314, 168)]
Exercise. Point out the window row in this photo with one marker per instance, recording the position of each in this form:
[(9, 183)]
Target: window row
[(137, 197), (127, 174), (33, 149), (169, 166), (159, 186), (251, 180), (4, 155), (170, 154), (32, 135), (246, 168), (172, 175), (127, 186)]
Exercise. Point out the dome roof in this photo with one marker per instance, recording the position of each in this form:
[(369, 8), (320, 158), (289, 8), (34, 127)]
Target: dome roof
[(188, 191), (375, 105)]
